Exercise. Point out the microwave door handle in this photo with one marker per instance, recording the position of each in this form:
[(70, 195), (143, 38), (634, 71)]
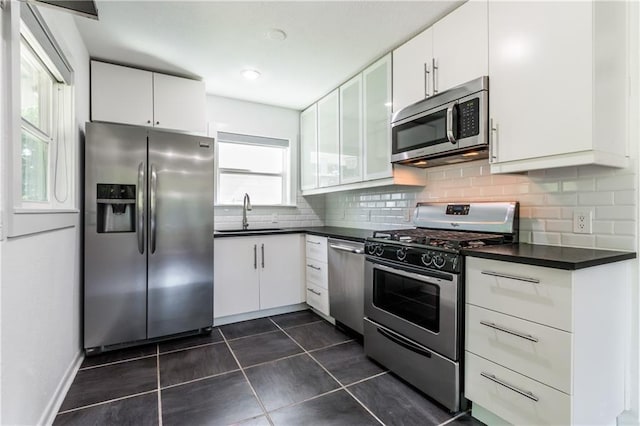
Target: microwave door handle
[(452, 118)]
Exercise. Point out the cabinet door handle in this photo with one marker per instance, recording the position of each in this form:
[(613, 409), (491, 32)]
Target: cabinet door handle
[(493, 130), (509, 331), (313, 267), (157, 122), (426, 80), (255, 256), (262, 248), (511, 277), (434, 67), (317, 293), (493, 378), (313, 242)]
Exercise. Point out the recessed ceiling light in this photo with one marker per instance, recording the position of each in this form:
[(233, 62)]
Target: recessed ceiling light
[(276, 34), (250, 74)]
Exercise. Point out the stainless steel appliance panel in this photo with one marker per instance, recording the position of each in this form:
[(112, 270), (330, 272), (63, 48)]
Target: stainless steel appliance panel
[(445, 339), (346, 283), (180, 295), (115, 268), (431, 373)]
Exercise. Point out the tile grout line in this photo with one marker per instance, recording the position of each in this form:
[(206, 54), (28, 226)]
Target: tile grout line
[(121, 361), (106, 402), (199, 379), (158, 383), (244, 374), (343, 387), (173, 351)]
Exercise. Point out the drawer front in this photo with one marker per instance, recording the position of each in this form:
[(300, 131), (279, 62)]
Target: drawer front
[(505, 400), (536, 351), (534, 293), (316, 248), (318, 298), (317, 273)]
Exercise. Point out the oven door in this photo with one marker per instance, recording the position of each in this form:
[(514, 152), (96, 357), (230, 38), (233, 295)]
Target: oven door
[(419, 304)]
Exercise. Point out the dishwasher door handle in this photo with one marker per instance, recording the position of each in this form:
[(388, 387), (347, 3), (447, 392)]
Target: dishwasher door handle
[(347, 249)]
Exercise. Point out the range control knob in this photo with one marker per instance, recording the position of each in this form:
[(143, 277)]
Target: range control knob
[(379, 250), (371, 248), (401, 254), (438, 261), (427, 259)]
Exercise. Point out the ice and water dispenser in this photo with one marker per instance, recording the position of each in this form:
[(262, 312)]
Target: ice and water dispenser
[(116, 206)]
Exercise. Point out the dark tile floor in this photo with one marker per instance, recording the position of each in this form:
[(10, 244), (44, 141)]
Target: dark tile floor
[(291, 369)]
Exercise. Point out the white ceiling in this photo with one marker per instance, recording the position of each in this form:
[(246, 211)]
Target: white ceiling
[(327, 41)]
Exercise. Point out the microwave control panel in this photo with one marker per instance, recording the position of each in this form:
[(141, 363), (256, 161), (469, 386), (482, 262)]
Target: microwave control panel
[(469, 118)]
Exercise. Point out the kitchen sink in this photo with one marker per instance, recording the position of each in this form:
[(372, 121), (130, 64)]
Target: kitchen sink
[(248, 230)]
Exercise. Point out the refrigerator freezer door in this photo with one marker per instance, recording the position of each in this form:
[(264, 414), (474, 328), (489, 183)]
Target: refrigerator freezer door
[(115, 268), (180, 285)]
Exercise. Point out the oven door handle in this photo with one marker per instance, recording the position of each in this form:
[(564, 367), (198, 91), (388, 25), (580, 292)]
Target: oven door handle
[(404, 343), (418, 277)]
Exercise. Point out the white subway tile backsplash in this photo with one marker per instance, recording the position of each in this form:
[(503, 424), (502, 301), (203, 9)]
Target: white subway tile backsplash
[(547, 199), (578, 240), (610, 183), (604, 198)]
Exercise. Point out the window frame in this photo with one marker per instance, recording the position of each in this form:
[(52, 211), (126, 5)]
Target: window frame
[(61, 211), (233, 138)]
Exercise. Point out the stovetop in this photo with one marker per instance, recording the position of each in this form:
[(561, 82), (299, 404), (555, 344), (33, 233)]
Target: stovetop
[(442, 230), (450, 240)]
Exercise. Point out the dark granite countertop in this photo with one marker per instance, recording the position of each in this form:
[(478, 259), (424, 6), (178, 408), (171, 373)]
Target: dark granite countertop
[(568, 258), (353, 234)]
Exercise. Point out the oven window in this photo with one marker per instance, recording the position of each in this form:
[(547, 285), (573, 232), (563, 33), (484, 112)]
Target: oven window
[(421, 132), (415, 301)]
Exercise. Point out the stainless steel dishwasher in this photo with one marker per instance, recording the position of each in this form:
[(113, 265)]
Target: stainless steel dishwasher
[(346, 283)]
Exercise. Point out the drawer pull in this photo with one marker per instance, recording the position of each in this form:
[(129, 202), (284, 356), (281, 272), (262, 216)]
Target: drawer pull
[(508, 386), (317, 293), (512, 277), (509, 331), (313, 242), (313, 267)]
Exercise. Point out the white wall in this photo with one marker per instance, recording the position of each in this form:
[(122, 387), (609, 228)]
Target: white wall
[(41, 285), (236, 116)]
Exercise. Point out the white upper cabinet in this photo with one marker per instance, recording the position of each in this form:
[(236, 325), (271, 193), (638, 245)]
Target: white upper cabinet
[(412, 70), (460, 46), (179, 103), (309, 148), (451, 52), (121, 94), (558, 81), (377, 119), (328, 140), (351, 130), (132, 96)]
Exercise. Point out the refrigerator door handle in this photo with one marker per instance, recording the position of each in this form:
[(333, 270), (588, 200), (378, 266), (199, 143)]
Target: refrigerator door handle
[(152, 209), (140, 196)]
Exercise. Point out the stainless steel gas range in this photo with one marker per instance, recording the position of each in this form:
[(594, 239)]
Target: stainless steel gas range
[(414, 291)]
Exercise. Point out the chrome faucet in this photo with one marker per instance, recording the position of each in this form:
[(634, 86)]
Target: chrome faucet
[(246, 205)]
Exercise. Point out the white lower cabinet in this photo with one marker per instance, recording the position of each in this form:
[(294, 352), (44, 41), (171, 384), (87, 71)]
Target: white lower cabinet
[(545, 346), (256, 273), (317, 273)]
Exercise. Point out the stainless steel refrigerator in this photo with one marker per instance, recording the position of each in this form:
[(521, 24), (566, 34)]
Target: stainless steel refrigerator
[(148, 234)]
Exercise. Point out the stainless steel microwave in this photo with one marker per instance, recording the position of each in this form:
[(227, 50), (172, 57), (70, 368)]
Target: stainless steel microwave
[(450, 127)]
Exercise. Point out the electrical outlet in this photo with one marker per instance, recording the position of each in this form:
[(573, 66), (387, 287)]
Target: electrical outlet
[(582, 221), (407, 215), (368, 215), (274, 217)]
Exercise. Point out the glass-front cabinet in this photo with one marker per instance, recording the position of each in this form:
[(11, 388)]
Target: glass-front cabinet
[(346, 136), (351, 130), (328, 140), (309, 148), (377, 119)]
